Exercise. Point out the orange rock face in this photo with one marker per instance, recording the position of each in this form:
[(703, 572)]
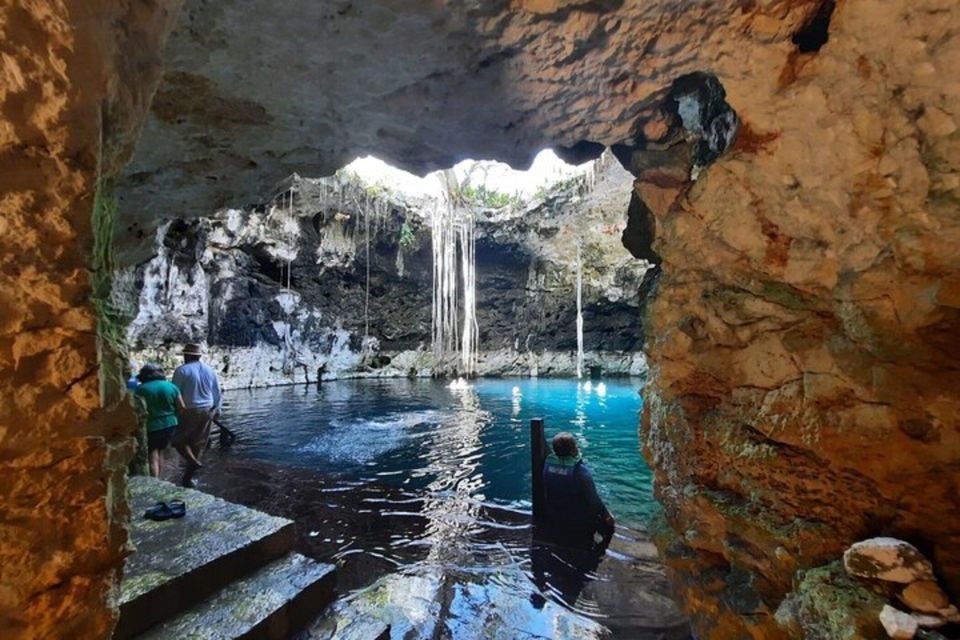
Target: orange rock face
[(75, 79), (804, 335)]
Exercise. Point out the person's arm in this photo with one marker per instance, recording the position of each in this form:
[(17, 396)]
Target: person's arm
[(594, 503), (217, 396), (181, 408)]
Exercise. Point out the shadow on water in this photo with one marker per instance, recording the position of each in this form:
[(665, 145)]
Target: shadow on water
[(421, 495)]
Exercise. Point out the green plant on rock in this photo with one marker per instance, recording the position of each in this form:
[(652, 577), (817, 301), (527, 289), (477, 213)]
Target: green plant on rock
[(377, 190), (408, 239), (490, 198)]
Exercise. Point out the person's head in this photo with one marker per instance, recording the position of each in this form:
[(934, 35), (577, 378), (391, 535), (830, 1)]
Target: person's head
[(565, 445), (192, 352), (150, 372)]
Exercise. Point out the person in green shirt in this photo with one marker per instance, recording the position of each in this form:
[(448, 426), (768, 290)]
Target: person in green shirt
[(162, 401)]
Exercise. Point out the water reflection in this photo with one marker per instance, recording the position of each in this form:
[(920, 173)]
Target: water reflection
[(421, 493)]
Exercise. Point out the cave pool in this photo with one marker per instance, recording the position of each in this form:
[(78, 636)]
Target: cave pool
[(421, 492)]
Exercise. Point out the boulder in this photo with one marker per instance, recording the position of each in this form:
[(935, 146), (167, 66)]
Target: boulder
[(928, 621), (887, 559), (898, 625), (924, 596), (950, 614), (828, 603)]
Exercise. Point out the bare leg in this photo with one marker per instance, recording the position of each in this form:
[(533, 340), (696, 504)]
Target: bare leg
[(155, 463), (189, 456), (161, 461)]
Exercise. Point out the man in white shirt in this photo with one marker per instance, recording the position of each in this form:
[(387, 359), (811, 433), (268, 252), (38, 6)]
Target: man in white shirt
[(200, 390)]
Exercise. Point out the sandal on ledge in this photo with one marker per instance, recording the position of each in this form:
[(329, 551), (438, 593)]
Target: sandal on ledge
[(178, 508), (166, 510)]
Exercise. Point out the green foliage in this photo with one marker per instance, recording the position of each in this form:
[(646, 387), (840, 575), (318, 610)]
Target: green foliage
[(377, 190), (574, 184), (408, 240), (490, 198)]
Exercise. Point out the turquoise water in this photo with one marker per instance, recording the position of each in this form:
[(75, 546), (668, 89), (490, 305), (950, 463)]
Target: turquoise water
[(424, 437), (421, 494)]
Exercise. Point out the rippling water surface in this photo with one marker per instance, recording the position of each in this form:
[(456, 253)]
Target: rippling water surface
[(422, 493), (422, 435)]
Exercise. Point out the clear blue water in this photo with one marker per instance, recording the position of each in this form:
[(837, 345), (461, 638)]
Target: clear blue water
[(421, 494), (424, 437)]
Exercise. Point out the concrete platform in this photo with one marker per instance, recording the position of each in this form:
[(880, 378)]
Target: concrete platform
[(272, 603), (180, 563)]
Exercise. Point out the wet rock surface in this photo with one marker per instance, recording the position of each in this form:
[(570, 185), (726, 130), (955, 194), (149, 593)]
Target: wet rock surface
[(220, 571)]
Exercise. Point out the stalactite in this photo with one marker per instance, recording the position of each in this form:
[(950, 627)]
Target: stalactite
[(452, 226), (444, 331), (290, 216), (400, 264), (468, 255), (579, 310), (366, 297)]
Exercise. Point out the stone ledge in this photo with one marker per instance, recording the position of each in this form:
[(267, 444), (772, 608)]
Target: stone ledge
[(177, 563), (272, 603)]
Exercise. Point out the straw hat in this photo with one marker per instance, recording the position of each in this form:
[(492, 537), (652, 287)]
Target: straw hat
[(192, 350)]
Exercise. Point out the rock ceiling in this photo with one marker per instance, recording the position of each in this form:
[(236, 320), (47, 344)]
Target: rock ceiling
[(257, 90)]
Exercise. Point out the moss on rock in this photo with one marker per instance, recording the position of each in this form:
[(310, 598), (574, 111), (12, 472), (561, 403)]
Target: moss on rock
[(827, 604)]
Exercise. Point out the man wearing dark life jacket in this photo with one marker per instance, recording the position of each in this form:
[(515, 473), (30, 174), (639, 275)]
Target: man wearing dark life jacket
[(572, 509)]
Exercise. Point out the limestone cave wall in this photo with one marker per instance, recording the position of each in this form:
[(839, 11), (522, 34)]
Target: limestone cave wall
[(278, 292), (804, 331), (76, 79)]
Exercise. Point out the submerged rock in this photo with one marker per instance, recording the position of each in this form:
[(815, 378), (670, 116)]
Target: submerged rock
[(887, 559)]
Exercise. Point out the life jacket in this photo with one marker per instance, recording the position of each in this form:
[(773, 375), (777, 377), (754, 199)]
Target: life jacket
[(569, 498)]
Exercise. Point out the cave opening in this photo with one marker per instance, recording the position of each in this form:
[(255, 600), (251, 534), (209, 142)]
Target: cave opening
[(815, 33), (330, 278), (525, 288), (270, 268), (806, 304)]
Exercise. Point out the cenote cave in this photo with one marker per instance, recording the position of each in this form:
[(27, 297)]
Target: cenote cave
[(456, 319)]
